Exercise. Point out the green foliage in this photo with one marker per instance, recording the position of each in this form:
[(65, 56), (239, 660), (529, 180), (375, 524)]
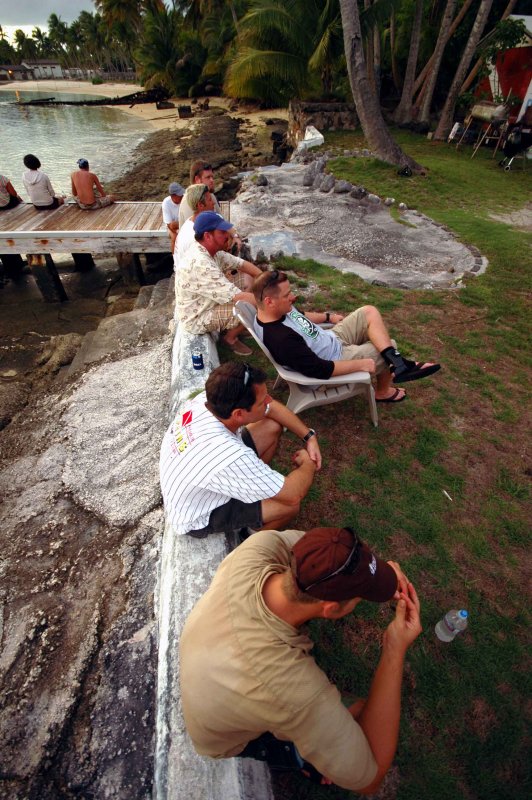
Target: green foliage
[(284, 47), (443, 486), (97, 81), (506, 34), (167, 56)]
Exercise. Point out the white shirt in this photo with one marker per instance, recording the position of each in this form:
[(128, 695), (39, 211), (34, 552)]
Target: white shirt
[(38, 187), (170, 210), (185, 237), (203, 465)]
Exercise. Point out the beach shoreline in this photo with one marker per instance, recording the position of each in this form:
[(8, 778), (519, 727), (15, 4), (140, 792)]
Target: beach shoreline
[(166, 119)]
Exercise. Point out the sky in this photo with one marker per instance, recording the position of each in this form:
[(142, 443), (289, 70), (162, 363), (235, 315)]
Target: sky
[(31, 13)]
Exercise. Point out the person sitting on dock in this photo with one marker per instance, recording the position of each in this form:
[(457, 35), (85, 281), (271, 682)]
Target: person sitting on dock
[(359, 341), (214, 461), (210, 280), (8, 195), (38, 186), (250, 686), (83, 183), (200, 172), (170, 207)]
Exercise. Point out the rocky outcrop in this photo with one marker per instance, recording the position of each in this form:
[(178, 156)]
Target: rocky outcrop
[(82, 522)]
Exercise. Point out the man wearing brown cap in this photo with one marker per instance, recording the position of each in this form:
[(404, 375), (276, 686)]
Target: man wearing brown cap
[(249, 685)]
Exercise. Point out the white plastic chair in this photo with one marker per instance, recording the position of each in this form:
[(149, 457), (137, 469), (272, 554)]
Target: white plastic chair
[(303, 391)]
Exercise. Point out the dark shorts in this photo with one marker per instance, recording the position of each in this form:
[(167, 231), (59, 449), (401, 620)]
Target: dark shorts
[(234, 514), (13, 201), (280, 755), (54, 204)]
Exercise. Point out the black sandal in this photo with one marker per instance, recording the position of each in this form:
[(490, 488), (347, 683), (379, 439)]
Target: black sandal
[(413, 371)]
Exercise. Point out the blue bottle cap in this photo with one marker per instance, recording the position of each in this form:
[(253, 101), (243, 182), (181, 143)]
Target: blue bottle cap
[(463, 613)]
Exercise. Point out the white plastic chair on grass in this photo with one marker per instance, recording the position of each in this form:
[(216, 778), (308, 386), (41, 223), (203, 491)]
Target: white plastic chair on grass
[(303, 391)]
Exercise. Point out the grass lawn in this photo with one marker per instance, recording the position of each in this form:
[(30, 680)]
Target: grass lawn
[(442, 486)]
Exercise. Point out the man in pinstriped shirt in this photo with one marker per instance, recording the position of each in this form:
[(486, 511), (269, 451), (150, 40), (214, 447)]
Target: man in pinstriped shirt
[(215, 473)]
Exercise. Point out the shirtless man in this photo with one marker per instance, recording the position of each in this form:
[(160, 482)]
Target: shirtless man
[(83, 183)]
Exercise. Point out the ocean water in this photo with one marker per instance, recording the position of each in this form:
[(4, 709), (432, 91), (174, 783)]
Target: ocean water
[(59, 135)]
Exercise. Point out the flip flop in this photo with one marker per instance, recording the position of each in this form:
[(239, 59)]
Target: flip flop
[(239, 348), (393, 398), (415, 370)]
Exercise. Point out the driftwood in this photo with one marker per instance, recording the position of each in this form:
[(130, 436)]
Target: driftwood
[(150, 96)]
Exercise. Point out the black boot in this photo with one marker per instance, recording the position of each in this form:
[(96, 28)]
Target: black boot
[(403, 369)]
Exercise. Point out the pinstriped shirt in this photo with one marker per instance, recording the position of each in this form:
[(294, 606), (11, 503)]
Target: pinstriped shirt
[(203, 465)]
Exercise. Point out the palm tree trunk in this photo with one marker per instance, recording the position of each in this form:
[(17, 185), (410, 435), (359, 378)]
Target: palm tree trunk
[(403, 112), (472, 75), (370, 53), (459, 17), (393, 59), (377, 59), (428, 87), (446, 119), (367, 104)]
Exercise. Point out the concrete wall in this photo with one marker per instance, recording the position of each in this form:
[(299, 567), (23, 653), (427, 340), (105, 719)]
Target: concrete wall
[(186, 570), (324, 117)]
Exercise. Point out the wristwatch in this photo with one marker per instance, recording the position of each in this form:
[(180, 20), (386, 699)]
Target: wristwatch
[(309, 435), (327, 316)]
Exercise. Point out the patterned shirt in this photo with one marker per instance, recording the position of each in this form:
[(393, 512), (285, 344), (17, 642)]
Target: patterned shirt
[(4, 194), (201, 286)]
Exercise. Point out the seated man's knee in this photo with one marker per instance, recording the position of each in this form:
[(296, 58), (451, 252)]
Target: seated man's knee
[(371, 312), (273, 429)]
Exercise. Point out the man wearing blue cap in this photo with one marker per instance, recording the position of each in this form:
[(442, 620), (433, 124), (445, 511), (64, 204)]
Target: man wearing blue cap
[(210, 280), (83, 184)]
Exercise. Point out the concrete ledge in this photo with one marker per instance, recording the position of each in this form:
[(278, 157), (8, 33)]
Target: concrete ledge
[(185, 379), (186, 570)]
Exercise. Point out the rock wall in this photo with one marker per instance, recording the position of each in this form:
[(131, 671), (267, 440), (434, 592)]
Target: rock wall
[(81, 523), (324, 117)]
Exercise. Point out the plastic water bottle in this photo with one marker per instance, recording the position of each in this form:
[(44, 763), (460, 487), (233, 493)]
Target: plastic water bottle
[(453, 622)]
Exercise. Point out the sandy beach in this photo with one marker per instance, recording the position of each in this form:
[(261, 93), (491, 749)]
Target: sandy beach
[(158, 120), (164, 119)]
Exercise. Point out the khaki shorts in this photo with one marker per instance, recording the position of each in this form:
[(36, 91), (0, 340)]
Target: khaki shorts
[(222, 318), (353, 333), (100, 202)]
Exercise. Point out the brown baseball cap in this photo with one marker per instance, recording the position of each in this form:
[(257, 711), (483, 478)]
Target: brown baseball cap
[(334, 564)]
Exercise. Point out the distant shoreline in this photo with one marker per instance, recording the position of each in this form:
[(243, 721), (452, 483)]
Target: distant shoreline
[(148, 113)]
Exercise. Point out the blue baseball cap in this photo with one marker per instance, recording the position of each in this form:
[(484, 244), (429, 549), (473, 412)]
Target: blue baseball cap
[(210, 221)]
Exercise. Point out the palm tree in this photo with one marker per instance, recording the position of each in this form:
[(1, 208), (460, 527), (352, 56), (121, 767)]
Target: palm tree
[(446, 118), (26, 47), (428, 90), (162, 58), (366, 101), (57, 34), (284, 49), (42, 41), (403, 112)]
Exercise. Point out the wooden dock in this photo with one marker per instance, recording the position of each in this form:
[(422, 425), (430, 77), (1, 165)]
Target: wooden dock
[(123, 229)]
